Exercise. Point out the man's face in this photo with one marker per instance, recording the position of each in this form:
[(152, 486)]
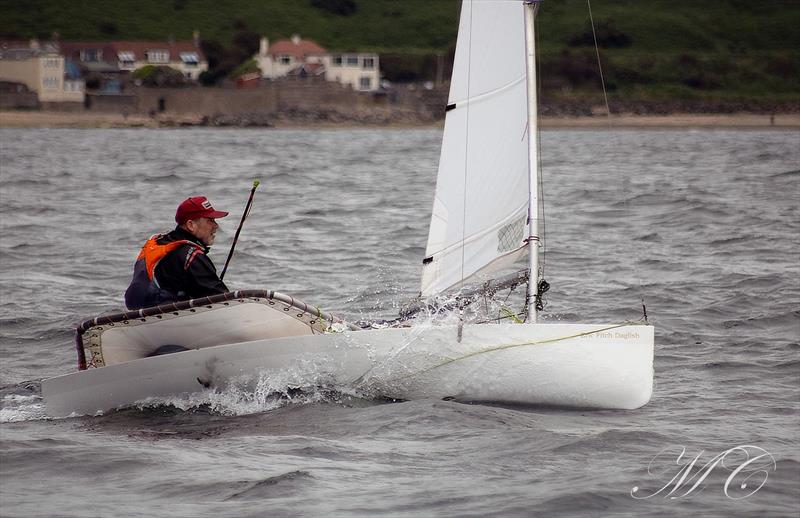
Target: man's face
[(204, 229)]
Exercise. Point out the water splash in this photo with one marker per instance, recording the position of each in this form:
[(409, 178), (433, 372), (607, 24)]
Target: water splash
[(19, 407), (306, 383)]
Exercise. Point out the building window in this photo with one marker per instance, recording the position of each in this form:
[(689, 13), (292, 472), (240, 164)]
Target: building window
[(284, 59), (126, 59), (72, 86), (50, 83), (369, 63), (190, 59), (365, 83), (51, 63), (352, 61), (157, 56), (91, 55), (337, 61)]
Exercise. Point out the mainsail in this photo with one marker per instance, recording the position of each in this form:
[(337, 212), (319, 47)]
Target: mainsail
[(480, 211)]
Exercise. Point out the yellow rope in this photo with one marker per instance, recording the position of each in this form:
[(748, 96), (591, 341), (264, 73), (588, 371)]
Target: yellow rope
[(509, 346)]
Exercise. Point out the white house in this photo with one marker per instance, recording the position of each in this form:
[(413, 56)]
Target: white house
[(285, 57), (357, 69)]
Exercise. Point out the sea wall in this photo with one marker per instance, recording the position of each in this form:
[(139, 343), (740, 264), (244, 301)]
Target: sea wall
[(15, 95), (18, 100), (315, 101), (291, 99)]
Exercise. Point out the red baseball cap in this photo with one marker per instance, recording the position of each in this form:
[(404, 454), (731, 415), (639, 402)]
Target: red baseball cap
[(196, 207)]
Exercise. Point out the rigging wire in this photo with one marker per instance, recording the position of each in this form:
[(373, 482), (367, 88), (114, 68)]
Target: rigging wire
[(608, 125), (599, 64), (543, 234)]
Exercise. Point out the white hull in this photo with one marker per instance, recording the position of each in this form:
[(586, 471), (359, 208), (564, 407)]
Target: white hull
[(565, 365)]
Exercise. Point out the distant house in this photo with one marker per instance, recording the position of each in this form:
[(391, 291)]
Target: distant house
[(41, 68), (299, 57), (283, 56), (184, 56), (95, 62), (357, 69), (120, 57)]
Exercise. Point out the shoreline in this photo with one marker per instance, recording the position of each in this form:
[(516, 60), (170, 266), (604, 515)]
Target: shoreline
[(56, 119)]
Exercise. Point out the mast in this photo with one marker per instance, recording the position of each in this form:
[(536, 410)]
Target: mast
[(531, 6)]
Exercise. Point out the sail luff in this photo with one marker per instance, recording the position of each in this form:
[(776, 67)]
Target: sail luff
[(531, 6)]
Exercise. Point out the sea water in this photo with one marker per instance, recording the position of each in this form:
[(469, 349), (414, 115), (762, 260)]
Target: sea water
[(703, 226)]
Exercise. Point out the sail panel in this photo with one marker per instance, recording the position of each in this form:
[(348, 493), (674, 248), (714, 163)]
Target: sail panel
[(481, 203)]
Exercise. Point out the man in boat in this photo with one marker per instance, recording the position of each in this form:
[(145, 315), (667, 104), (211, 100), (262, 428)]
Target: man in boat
[(175, 266)]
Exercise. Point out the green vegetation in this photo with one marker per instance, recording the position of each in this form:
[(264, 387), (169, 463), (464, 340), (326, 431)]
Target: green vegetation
[(248, 67), (152, 75), (726, 50), (733, 50)]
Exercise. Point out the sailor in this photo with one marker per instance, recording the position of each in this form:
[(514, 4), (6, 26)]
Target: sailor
[(175, 266)]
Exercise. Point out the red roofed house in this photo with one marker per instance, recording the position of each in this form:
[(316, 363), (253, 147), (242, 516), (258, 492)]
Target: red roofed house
[(297, 56), (127, 56), (184, 56)]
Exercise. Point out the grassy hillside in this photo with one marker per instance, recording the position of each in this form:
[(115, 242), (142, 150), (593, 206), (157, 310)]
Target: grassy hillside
[(652, 49)]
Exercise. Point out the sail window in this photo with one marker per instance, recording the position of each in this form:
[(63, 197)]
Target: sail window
[(510, 236)]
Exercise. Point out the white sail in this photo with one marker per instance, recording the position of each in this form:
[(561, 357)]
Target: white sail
[(480, 210)]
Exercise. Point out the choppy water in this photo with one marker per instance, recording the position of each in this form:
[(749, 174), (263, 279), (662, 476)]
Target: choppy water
[(704, 224)]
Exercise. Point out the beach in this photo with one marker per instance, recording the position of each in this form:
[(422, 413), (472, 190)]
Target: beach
[(59, 119)]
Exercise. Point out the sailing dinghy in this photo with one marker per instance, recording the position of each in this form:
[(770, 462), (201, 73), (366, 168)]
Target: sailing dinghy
[(485, 218)]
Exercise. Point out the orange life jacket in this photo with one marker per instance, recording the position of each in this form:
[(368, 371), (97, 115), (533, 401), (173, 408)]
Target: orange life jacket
[(152, 252)]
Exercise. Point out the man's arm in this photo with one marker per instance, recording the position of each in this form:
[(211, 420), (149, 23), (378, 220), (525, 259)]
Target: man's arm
[(203, 277)]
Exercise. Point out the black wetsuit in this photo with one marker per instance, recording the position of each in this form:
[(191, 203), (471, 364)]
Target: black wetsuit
[(197, 279)]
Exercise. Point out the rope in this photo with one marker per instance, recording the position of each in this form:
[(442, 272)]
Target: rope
[(500, 348)]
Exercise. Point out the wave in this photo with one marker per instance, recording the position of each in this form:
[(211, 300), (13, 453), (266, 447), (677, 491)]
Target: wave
[(653, 237), (786, 174), (168, 178), (723, 365), (264, 488), (735, 240), (596, 442)]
